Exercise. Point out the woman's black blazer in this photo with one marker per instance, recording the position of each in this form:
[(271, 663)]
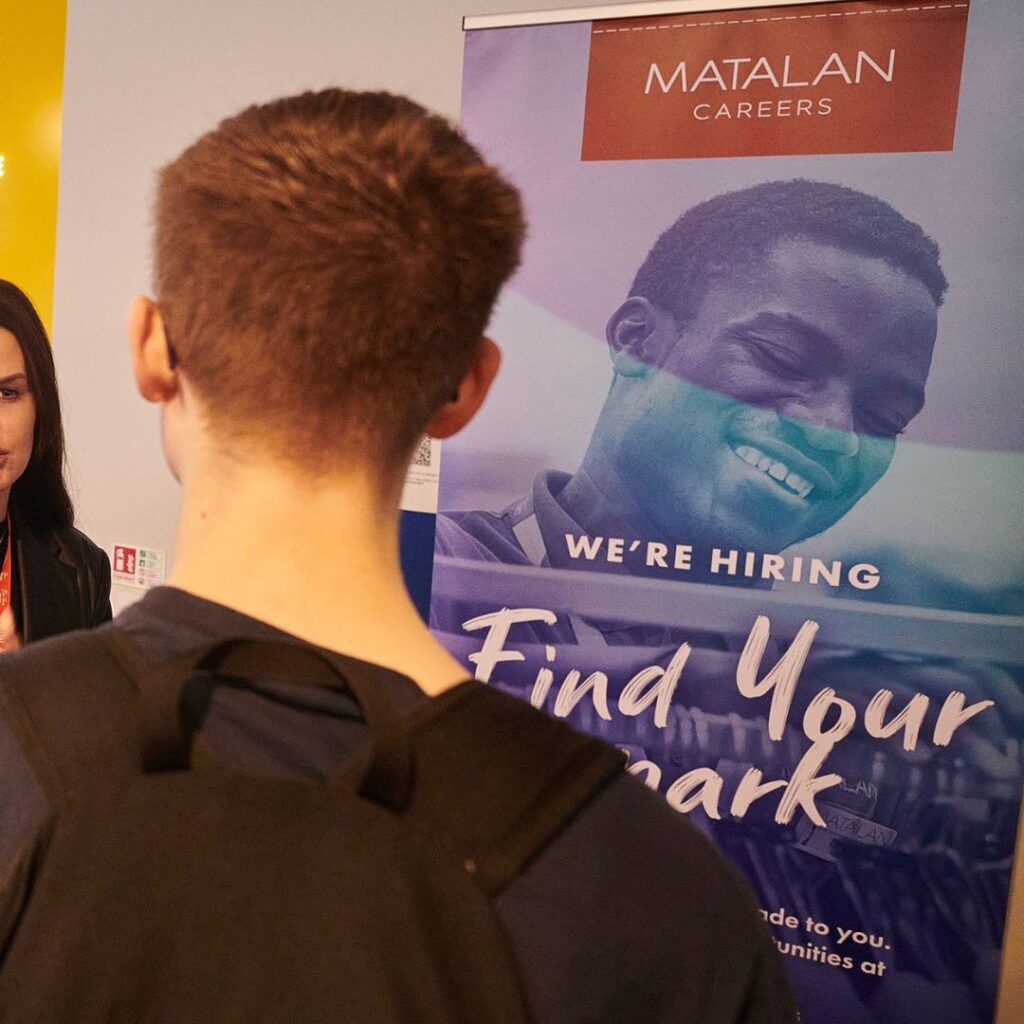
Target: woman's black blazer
[(61, 582)]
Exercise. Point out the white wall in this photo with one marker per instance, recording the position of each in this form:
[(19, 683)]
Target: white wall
[(143, 78)]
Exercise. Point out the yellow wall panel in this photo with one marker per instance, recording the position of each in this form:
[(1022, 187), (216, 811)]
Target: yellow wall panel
[(31, 76)]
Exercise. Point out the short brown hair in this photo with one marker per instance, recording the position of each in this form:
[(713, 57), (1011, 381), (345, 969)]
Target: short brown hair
[(326, 264)]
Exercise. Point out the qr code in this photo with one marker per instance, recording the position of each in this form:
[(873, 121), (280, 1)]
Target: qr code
[(423, 453)]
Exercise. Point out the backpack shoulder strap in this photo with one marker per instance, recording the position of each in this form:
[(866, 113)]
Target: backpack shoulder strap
[(494, 778), (86, 702), (499, 779), (72, 706)]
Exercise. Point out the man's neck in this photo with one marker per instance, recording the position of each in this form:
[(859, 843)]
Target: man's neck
[(316, 557)]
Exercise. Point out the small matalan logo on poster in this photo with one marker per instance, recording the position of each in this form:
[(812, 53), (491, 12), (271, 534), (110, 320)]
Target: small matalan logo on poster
[(133, 566)]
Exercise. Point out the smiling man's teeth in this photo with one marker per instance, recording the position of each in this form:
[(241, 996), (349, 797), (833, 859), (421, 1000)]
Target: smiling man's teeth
[(775, 469), (799, 484)]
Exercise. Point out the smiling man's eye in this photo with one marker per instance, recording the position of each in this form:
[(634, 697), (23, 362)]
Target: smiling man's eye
[(880, 423), (777, 357)]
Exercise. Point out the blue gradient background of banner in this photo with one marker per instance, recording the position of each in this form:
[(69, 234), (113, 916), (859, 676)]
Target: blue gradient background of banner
[(918, 849)]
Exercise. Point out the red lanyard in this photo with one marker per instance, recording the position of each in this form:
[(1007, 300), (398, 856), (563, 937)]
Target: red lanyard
[(5, 572)]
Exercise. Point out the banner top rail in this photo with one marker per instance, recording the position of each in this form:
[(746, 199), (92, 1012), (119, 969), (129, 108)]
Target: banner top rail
[(605, 12)]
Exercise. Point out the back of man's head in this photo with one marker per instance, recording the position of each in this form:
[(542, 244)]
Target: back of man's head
[(326, 265)]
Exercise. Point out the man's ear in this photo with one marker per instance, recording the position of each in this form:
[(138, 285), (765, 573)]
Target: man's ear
[(472, 390), (636, 336), (155, 377)]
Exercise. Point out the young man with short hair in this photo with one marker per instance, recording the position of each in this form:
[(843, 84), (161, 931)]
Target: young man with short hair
[(325, 268)]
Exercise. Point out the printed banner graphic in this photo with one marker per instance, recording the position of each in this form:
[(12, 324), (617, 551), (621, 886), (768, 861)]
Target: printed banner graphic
[(746, 499)]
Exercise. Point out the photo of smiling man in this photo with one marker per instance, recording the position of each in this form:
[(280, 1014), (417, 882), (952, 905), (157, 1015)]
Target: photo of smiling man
[(775, 342)]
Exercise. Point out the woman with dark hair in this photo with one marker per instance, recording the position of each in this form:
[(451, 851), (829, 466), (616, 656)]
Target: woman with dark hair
[(53, 578)]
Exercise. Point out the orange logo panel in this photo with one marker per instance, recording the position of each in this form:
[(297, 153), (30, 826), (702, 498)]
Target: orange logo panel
[(828, 78)]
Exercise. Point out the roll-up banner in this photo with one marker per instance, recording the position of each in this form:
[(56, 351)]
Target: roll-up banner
[(746, 499)]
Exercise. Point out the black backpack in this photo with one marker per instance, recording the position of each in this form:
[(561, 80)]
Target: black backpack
[(164, 894)]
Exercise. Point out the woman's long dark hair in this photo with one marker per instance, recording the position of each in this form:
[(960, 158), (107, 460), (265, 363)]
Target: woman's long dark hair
[(39, 498)]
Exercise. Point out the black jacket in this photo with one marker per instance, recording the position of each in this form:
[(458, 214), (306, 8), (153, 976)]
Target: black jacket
[(61, 582)]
